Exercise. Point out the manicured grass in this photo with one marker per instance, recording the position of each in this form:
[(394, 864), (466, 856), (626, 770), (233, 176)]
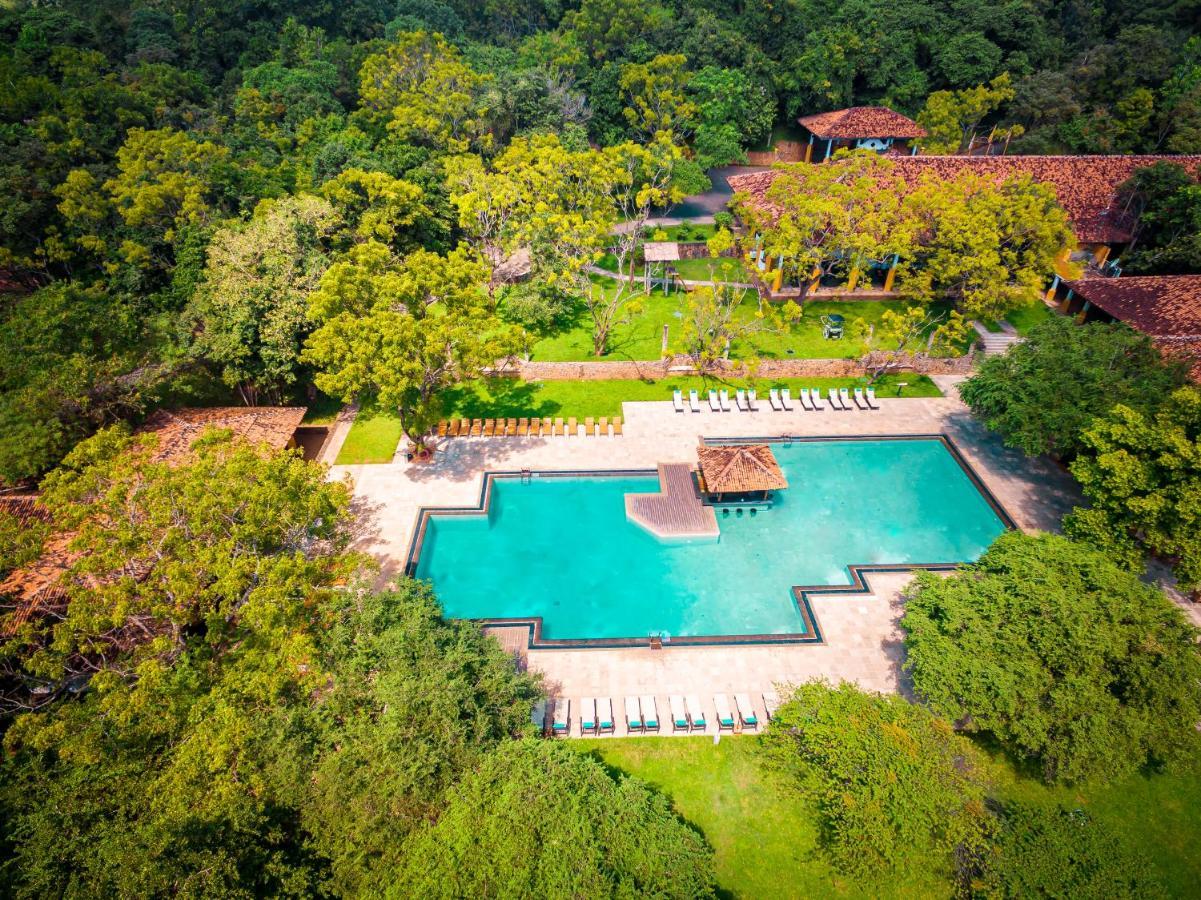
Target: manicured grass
[(765, 836), (723, 269), (1027, 317), (372, 438), (321, 411), (506, 398), (641, 339), (694, 232)]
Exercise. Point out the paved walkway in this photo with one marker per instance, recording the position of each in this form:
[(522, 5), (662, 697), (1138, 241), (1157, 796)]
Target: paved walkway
[(863, 643)]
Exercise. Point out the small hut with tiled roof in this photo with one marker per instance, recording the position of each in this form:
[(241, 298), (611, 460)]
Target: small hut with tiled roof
[(1166, 308), (178, 429), (859, 127), (739, 472)]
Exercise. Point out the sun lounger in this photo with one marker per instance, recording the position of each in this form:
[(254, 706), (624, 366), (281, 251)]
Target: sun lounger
[(604, 716), (723, 397), (773, 398), (771, 702), (616, 425), (845, 396), (453, 431), (604, 426), (679, 715), (835, 403), (535, 427), (523, 427), (464, 427), (752, 401), (725, 718), (677, 398), (694, 402), (477, 427), (806, 403), (650, 713), (746, 712), (633, 715), (573, 428), (870, 393), (786, 399), (511, 427), (861, 399), (696, 715), (740, 400), (548, 428), (443, 428), (588, 716), (561, 723), (489, 427), (815, 397), (713, 402), (538, 716), (589, 426), (558, 428)]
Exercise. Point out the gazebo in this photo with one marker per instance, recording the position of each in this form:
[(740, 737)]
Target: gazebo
[(665, 252), (739, 473)]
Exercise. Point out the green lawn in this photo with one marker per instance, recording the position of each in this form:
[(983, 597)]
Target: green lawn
[(642, 338), (692, 232), (1027, 317), (372, 438), (724, 269), (765, 837), (511, 398)]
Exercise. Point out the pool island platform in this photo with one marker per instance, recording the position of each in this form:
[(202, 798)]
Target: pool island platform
[(677, 511), (862, 640)]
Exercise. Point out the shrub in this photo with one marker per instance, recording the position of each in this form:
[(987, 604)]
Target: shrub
[(1063, 656), (537, 306), (893, 783), (724, 220)]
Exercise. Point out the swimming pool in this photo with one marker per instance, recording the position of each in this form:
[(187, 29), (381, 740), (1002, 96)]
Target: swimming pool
[(560, 548)]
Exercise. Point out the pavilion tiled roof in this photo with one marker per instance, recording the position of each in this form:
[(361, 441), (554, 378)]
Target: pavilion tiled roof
[(1085, 186), (736, 468), (862, 122), (1167, 308), (178, 429)]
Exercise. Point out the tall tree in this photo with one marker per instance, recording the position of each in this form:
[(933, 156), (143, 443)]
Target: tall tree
[(1060, 654), (402, 331), (1141, 473), (952, 117)]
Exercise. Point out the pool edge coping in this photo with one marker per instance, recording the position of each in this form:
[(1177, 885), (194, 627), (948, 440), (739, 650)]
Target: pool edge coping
[(813, 636)]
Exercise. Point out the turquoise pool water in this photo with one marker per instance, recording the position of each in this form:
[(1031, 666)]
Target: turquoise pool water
[(562, 548)]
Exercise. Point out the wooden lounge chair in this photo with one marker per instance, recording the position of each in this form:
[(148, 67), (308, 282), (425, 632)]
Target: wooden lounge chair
[(443, 428), (477, 427), (547, 428), (454, 428), (558, 428), (771, 702), (679, 714), (535, 427), (725, 718), (523, 427), (633, 715), (616, 425), (489, 427), (650, 713), (746, 711), (573, 428), (588, 715), (561, 723), (604, 716), (589, 426), (511, 427), (604, 426)]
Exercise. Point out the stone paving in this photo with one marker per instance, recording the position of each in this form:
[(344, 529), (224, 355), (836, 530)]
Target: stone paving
[(862, 636)]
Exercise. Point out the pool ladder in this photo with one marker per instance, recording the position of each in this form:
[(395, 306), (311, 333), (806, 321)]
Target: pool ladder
[(526, 476)]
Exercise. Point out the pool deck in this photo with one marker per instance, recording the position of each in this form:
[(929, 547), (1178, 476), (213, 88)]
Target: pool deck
[(863, 641), (677, 511)]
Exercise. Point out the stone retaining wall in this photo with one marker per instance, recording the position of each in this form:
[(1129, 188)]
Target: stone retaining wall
[(535, 370)]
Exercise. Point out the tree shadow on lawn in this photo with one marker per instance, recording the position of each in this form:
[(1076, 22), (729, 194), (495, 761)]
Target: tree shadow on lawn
[(507, 398)]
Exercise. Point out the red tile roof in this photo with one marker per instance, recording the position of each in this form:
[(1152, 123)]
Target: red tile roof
[(1165, 307), (37, 586), (178, 429), (738, 468), (862, 122), (1086, 186)]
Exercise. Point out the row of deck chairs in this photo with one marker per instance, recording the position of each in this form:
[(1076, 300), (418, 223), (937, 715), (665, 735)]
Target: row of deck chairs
[(528, 427), (781, 400), (642, 714)]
